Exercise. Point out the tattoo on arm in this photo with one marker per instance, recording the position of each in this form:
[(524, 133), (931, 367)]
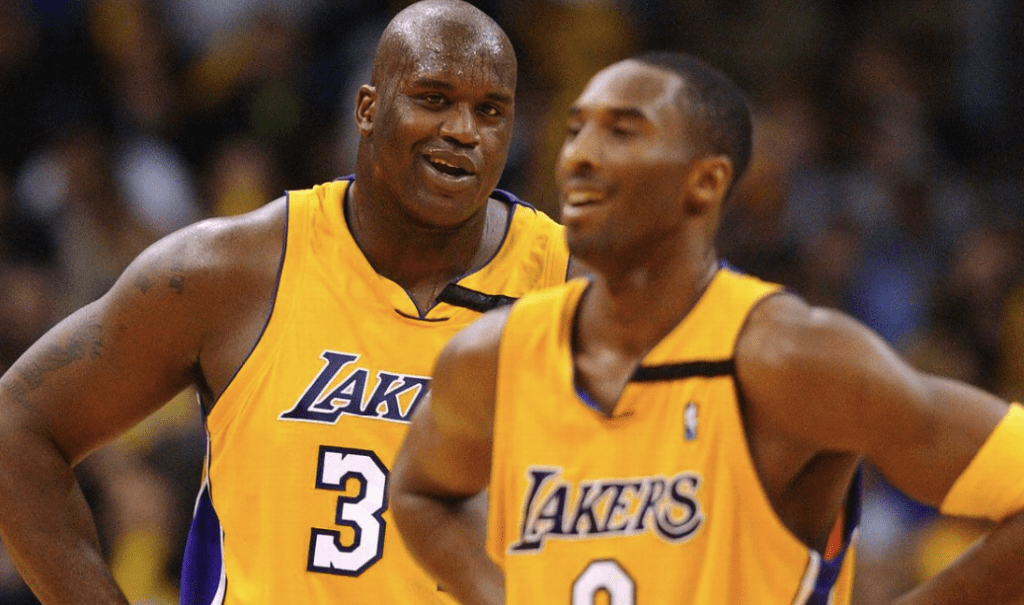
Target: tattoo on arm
[(177, 281), (143, 283), (17, 390), (86, 342)]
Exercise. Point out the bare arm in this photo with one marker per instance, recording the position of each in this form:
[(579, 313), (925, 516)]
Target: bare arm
[(818, 377), (86, 381), (443, 468)]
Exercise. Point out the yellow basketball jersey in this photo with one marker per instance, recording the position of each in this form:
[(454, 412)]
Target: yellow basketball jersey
[(293, 508), (659, 502)]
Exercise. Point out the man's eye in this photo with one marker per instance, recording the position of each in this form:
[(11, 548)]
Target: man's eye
[(490, 110), (433, 99)]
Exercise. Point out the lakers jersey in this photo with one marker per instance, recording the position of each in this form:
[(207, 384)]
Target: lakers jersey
[(657, 503), (294, 506)]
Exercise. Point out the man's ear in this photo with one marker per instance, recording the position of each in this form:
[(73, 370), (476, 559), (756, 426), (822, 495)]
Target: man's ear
[(366, 108), (709, 182)]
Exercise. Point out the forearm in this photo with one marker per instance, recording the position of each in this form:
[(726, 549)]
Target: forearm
[(448, 540), (48, 528), (991, 572)]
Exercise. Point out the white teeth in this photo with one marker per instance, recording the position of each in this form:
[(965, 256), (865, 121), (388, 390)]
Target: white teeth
[(581, 197), (442, 162)]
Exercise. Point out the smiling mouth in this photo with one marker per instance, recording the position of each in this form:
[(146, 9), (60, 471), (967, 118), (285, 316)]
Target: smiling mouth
[(448, 169), (582, 198)]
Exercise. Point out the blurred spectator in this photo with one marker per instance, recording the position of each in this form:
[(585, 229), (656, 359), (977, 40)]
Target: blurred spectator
[(964, 337), (140, 66), (900, 263), (828, 265), (72, 184), (27, 296), (19, 78), (28, 255), (239, 177), (251, 83)]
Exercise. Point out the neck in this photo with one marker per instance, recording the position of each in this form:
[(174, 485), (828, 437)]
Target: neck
[(637, 308), (420, 258)]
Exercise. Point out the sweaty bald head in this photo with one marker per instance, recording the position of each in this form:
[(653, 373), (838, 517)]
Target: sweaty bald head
[(442, 33)]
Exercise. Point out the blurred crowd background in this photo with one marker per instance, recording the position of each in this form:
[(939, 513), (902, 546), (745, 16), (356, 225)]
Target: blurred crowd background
[(887, 181)]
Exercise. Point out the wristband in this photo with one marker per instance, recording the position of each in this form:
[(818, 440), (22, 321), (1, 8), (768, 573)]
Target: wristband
[(992, 485)]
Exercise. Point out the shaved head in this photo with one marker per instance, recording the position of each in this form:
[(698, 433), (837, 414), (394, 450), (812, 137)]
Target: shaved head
[(435, 121), (438, 30)]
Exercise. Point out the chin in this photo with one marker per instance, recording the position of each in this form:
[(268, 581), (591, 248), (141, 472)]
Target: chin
[(586, 249), (446, 212)]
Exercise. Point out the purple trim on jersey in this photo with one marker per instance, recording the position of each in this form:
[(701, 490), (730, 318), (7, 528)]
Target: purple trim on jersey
[(508, 196), (829, 571), (588, 400), (203, 564)]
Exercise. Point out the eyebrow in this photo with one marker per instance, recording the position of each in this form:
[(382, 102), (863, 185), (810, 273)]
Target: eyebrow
[(442, 85)]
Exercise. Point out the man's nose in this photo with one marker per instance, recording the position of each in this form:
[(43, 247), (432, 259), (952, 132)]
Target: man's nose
[(460, 125), (580, 152)]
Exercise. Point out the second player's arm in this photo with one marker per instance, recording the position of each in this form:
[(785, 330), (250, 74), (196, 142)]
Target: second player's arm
[(820, 378), (437, 497)]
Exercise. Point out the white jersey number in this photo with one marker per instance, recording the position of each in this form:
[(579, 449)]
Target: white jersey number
[(361, 512), (604, 575)]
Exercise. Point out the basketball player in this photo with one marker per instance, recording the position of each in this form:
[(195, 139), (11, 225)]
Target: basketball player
[(674, 431), (308, 328)]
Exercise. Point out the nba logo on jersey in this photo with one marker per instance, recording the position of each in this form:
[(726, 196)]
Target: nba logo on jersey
[(690, 421)]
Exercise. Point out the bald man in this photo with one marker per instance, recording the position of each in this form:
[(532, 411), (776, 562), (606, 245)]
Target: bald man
[(308, 328)]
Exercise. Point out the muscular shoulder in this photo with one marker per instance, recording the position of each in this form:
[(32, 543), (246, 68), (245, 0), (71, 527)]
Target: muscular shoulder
[(225, 248), (809, 371), (465, 376), (210, 285), (210, 260), (783, 331)]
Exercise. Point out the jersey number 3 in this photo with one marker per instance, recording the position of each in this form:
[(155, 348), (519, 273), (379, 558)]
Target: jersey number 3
[(362, 513)]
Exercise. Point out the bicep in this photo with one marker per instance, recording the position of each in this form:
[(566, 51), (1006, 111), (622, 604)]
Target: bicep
[(109, 364), (447, 451), (822, 378)]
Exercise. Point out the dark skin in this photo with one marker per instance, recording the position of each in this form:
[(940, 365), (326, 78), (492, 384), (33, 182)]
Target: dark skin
[(415, 83), (435, 125), (821, 391)]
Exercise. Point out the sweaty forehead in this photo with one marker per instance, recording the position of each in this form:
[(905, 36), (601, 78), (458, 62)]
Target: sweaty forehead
[(450, 49)]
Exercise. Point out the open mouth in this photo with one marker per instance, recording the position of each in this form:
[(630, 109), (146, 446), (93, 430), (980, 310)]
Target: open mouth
[(449, 169)]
